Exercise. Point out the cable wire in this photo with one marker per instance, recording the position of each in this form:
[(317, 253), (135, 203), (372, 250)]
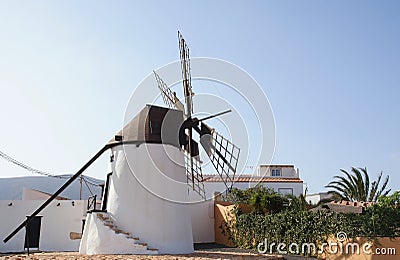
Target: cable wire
[(36, 171), (29, 168)]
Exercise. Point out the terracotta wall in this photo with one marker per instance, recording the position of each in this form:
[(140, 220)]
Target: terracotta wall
[(381, 248), (222, 213)]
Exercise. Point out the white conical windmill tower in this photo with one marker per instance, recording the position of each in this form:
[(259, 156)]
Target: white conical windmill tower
[(145, 207)]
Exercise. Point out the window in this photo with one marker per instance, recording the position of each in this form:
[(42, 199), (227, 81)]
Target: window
[(276, 172), (285, 191)]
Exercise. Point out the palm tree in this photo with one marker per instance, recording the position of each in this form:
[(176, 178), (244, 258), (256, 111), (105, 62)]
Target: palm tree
[(355, 186)]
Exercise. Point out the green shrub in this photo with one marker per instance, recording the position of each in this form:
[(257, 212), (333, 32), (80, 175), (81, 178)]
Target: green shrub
[(294, 225)]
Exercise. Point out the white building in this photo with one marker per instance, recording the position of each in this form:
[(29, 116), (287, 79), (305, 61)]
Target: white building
[(315, 198), (278, 170), (32, 194), (283, 179), (145, 200), (56, 228)]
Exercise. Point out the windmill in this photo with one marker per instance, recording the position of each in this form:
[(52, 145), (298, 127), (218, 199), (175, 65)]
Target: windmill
[(145, 207), (223, 154)]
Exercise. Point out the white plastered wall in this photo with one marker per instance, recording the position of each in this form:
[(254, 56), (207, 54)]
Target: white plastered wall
[(286, 171), (202, 218), (145, 182), (57, 223)]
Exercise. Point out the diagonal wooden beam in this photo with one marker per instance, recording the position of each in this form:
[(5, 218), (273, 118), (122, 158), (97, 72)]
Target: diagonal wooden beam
[(47, 202)]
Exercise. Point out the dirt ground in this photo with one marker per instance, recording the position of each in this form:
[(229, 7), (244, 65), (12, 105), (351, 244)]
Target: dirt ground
[(199, 254)]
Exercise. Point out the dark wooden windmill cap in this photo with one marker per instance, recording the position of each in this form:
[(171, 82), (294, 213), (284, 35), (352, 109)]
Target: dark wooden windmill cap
[(153, 124)]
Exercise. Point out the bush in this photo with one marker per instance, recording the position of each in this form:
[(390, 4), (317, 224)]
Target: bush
[(294, 225), (261, 199), (288, 227)]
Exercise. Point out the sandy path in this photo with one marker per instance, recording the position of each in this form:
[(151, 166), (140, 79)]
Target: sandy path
[(197, 255)]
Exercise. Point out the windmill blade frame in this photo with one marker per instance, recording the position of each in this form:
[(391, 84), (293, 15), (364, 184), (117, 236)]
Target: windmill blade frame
[(186, 75), (167, 95), (196, 179), (223, 154), (187, 90)]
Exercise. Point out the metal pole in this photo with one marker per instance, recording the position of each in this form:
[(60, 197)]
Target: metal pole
[(80, 190), (215, 115)]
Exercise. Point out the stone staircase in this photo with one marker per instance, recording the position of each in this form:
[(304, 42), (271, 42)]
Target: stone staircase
[(108, 222)]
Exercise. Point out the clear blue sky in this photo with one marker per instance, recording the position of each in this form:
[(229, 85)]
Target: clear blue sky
[(331, 70)]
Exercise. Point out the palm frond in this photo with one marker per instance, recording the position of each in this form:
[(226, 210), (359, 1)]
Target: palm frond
[(366, 177), (374, 195), (350, 180), (372, 192), (356, 186), (342, 192), (359, 181), (382, 188)]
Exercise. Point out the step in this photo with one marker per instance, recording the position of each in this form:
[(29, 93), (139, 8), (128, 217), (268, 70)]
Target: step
[(133, 238), (112, 226), (109, 223), (102, 217), (119, 231)]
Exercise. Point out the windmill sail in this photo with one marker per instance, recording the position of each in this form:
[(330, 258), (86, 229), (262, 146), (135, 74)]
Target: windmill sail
[(194, 174), (224, 155), (187, 90), (168, 96), (196, 179), (187, 78)]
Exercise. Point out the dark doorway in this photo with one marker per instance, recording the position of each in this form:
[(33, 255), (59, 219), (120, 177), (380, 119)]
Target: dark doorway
[(32, 232), (105, 195)]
